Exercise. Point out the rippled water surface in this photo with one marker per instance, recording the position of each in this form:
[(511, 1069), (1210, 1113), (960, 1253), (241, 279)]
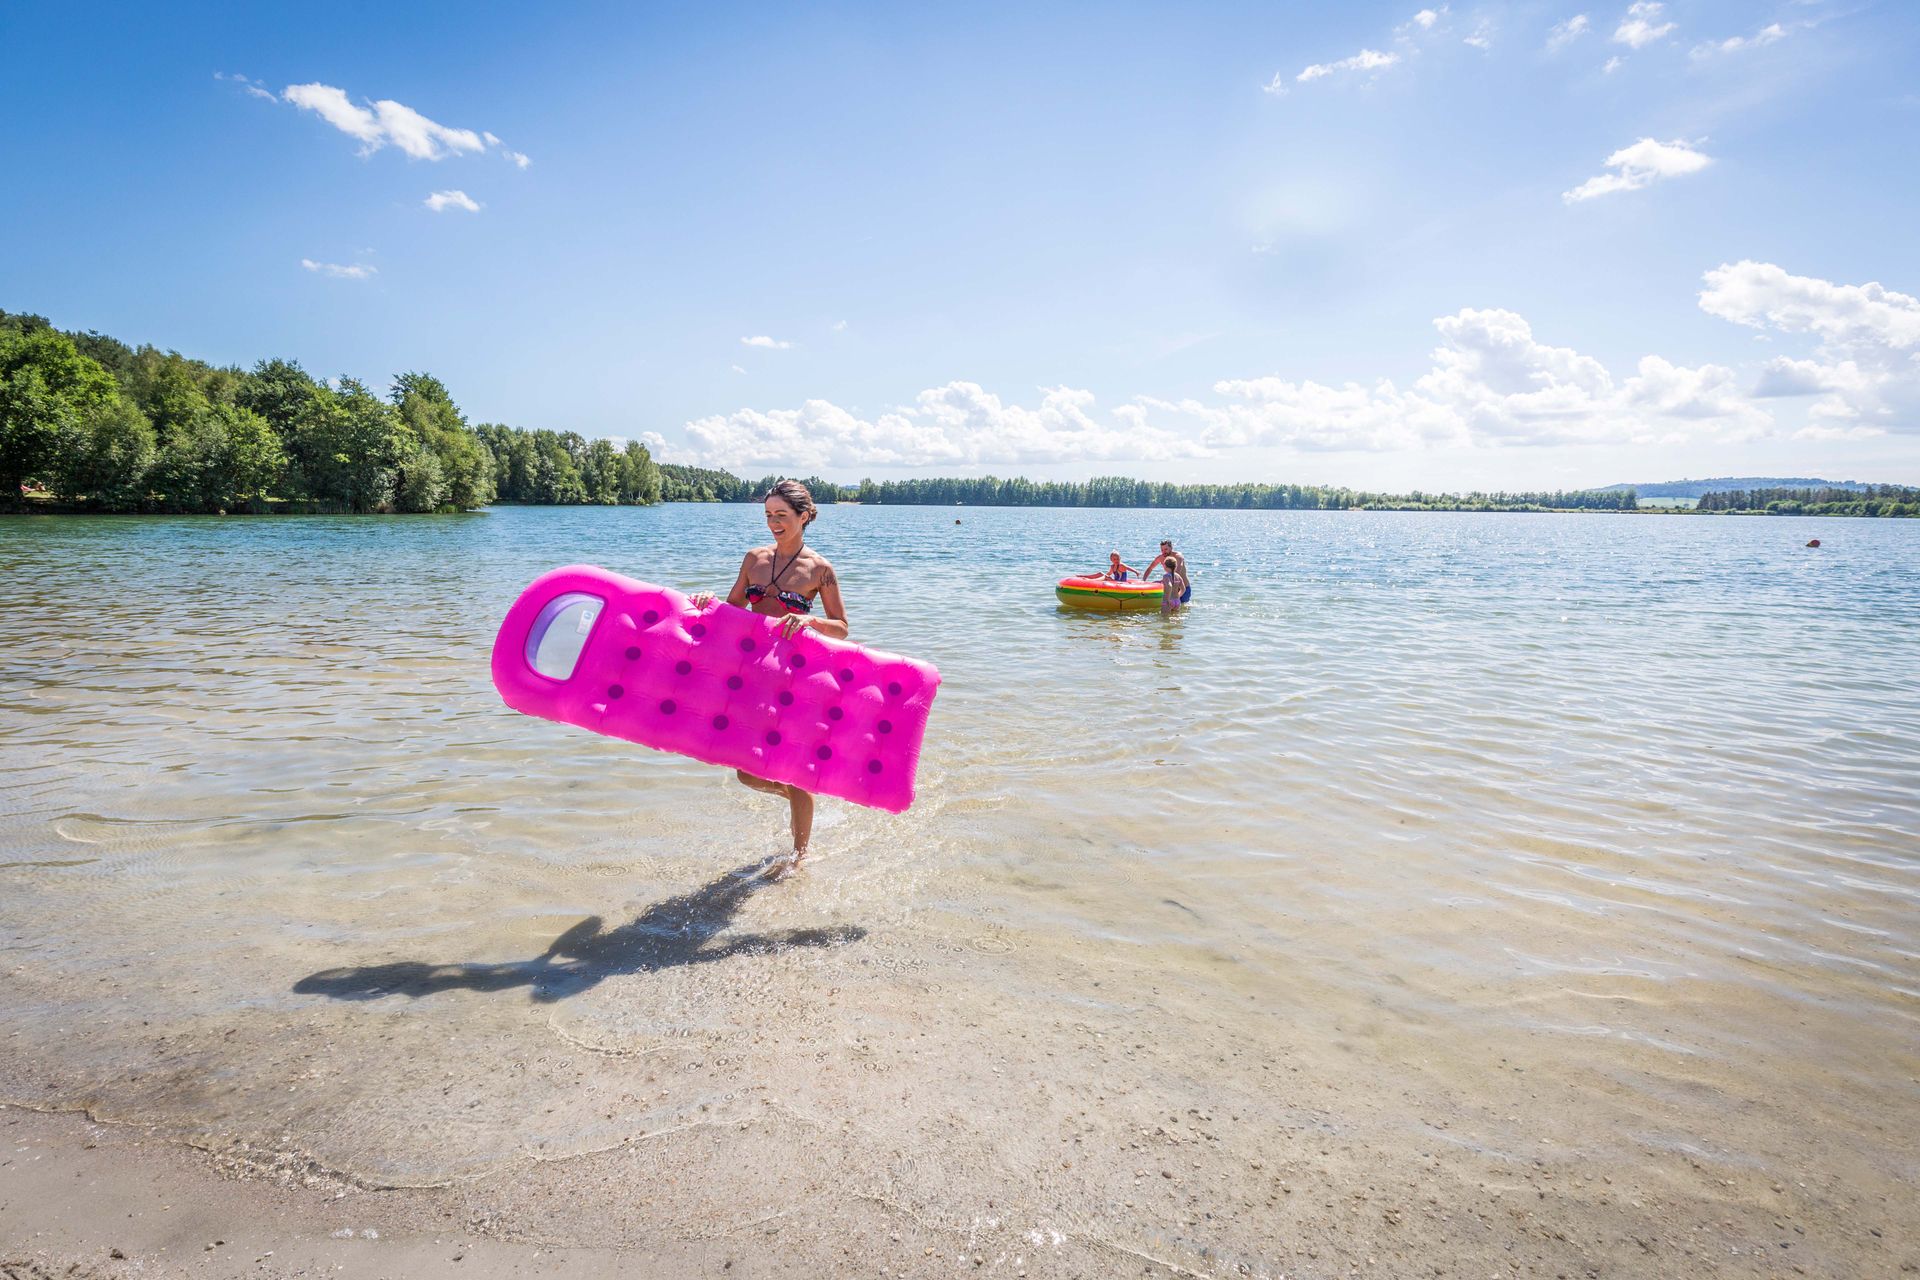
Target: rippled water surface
[(1582, 838)]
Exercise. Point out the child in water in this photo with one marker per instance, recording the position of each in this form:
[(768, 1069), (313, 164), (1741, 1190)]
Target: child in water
[(1175, 588)]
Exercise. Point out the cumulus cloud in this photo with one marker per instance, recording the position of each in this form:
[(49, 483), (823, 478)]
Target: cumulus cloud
[(441, 201), (1642, 25), (1365, 60), (389, 123), (1479, 39), (958, 424), (1766, 35), (1762, 295), (1640, 165), (1614, 64), (1491, 382), (1565, 33), (762, 340), (1866, 364), (340, 271)]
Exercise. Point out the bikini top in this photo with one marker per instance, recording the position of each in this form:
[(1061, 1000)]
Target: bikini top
[(793, 600)]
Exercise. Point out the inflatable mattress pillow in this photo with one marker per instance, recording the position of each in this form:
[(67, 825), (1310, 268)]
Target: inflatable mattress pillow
[(592, 648)]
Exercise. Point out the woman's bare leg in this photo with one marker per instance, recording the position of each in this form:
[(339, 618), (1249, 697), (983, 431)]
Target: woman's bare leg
[(800, 805)]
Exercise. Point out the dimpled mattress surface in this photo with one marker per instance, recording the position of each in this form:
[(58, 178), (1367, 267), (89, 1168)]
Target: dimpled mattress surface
[(588, 647)]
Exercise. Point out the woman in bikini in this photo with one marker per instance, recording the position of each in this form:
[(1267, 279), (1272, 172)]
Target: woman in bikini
[(783, 581)]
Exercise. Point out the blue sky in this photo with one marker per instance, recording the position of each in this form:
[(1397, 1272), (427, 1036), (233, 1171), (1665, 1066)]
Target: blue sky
[(1521, 244)]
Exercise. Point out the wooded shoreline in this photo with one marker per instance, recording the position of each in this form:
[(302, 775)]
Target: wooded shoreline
[(90, 425)]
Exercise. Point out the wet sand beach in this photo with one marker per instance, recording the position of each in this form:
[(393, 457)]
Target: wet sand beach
[(1452, 895)]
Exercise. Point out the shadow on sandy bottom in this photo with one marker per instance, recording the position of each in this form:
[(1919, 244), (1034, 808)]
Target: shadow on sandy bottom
[(671, 932)]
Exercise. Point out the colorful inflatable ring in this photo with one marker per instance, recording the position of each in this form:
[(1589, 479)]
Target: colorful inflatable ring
[(1105, 593)]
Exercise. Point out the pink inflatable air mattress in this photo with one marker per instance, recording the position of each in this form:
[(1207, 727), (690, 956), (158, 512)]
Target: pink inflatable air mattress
[(631, 660)]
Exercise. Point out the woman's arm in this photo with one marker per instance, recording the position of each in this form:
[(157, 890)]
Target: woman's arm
[(736, 597), (834, 624)]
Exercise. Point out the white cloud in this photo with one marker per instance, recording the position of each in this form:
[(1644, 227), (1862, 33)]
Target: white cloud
[(339, 271), (1613, 64), (333, 106), (252, 87), (737, 368), (1565, 33), (1423, 21), (390, 123), (1866, 364), (1837, 433), (1365, 60), (1491, 384), (762, 340), (441, 201), (1761, 295), (1479, 40), (1641, 165), (1642, 25), (1766, 35), (958, 424), (839, 326)]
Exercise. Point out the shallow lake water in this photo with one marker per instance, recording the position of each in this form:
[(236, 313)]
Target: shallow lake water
[(1491, 853)]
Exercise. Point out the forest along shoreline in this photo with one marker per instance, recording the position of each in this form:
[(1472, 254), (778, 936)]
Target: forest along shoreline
[(91, 425)]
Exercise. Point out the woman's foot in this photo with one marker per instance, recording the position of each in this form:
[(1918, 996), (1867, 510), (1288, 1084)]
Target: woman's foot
[(783, 865)]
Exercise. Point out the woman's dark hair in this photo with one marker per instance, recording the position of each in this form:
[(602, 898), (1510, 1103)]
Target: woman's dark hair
[(795, 495)]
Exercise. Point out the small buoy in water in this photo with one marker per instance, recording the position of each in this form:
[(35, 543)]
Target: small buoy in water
[(1814, 543)]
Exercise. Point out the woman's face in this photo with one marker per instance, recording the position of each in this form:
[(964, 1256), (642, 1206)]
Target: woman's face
[(781, 518)]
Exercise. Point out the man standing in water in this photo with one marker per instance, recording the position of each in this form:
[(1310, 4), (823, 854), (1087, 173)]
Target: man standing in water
[(1176, 590)]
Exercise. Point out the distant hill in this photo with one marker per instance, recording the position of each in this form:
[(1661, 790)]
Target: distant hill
[(1726, 484)]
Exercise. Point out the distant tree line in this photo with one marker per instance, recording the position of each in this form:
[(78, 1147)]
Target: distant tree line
[(563, 468), (107, 427), (1866, 500), (680, 483), (687, 484)]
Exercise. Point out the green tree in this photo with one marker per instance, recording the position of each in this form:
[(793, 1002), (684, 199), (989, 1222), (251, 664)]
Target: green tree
[(227, 458), (462, 460), (600, 473), (346, 444), (105, 457), (47, 390), (639, 476)]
